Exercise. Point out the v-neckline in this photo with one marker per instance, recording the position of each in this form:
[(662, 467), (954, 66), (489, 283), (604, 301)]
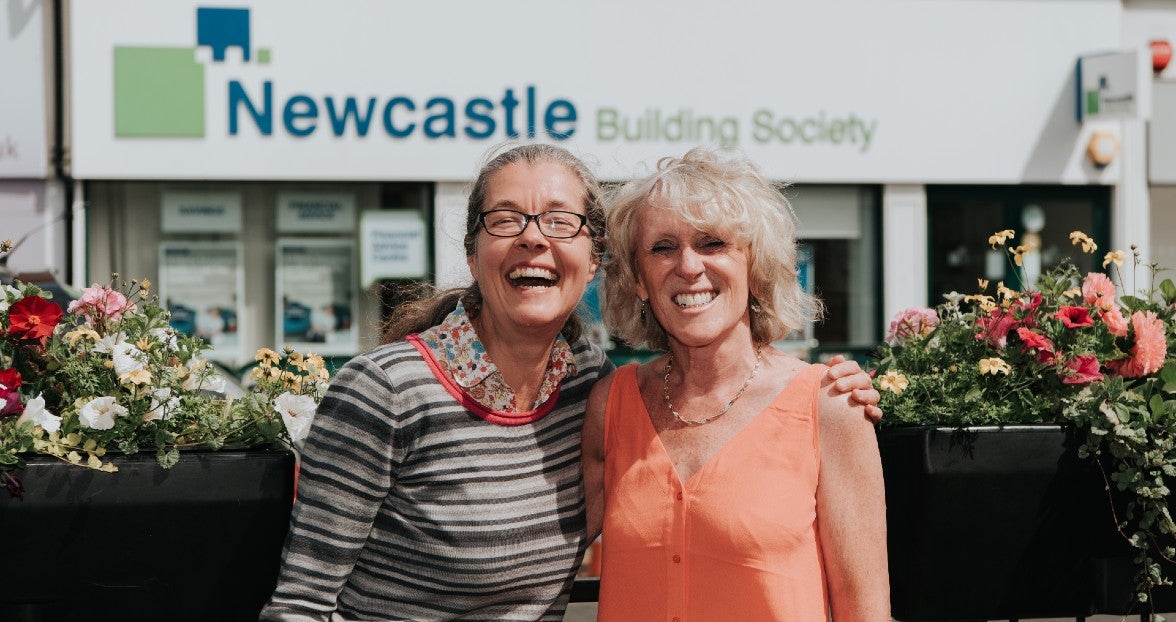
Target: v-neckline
[(688, 483)]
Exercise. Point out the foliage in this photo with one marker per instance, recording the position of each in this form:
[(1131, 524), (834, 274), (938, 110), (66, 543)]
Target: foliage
[(1073, 349), (111, 374)]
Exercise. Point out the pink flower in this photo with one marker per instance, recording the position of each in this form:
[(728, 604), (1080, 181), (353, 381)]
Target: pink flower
[(1116, 323), (1036, 341), (1081, 370), (1098, 291), (912, 322), (1075, 317), (995, 328), (1147, 355), (1026, 312), (99, 302)]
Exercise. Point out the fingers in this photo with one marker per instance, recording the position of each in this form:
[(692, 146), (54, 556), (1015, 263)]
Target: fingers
[(873, 413), (843, 368)]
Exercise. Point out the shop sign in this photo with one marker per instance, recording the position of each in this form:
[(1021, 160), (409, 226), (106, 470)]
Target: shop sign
[(1108, 86), (316, 212), (392, 245), (201, 212)]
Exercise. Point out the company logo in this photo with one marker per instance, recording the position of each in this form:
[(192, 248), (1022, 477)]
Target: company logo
[(159, 91)]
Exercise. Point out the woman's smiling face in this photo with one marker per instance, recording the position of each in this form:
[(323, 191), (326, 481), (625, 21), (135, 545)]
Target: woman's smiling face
[(531, 282), (696, 281)]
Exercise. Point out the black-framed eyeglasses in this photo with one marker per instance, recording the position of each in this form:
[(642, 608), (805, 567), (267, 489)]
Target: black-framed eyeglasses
[(507, 223)]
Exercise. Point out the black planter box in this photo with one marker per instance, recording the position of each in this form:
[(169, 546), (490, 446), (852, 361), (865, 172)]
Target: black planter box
[(200, 541), (992, 523)]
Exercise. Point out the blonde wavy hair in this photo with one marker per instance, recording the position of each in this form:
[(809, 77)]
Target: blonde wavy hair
[(724, 195)]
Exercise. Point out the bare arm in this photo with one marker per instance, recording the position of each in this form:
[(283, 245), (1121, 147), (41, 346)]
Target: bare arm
[(850, 378), (592, 455), (851, 512)]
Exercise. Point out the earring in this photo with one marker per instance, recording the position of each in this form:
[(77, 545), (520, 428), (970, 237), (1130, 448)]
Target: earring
[(755, 307), (644, 304)]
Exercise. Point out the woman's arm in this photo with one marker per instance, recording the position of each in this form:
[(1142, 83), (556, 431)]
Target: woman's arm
[(345, 476), (592, 455), (851, 511)]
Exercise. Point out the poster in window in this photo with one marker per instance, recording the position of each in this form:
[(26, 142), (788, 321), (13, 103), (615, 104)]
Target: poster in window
[(201, 285), (317, 296)]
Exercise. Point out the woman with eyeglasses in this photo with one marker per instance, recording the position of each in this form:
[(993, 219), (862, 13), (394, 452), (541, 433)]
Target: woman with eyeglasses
[(441, 478)]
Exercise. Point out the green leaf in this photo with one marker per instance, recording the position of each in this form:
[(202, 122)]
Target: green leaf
[(1168, 290), (1157, 407), (1168, 375)]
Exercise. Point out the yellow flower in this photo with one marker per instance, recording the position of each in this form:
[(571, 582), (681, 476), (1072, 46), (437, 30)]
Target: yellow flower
[(983, 284), (137, 376), (894, 382), (1019, 254), (1000, 237), (1009, 295), (1073, 292), (82, 331), (143, 344), (1114, 256), (994, 366), (1088, 245), (267, 357)]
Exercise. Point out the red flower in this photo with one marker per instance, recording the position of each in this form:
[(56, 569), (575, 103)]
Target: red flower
[(1036, 341), (33, 317), (1027, 311), (9, 393), (1075, 317), (9, 379), (1081, 370), (995, 328)]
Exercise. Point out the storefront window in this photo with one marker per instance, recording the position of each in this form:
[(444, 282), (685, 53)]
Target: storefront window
[(960, 219)]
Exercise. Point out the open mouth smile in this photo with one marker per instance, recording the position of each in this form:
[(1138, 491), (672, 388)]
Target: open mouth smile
[(532, 277), (694, 300)]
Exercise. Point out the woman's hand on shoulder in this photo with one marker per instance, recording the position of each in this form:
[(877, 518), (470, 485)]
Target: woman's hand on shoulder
[(849, 377)]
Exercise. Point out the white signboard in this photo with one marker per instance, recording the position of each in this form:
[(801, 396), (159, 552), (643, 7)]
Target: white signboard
[(317, 296), (24, 124), (316, 212), (906, 90), (202, 286), (1108, 86), (392, 245), (201, 212)]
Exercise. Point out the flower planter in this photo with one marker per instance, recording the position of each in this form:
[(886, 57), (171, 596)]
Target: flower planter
[(199, 541), (992, 523)]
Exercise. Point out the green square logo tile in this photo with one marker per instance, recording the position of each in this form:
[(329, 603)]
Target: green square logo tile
[(158, 91)]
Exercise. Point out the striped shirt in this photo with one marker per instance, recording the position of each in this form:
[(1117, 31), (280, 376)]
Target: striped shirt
[(412, 506)]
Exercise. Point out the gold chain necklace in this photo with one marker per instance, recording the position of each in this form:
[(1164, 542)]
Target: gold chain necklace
[(759, 358)]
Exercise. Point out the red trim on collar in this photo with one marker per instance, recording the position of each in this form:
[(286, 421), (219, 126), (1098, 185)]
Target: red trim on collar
[(496, 417)]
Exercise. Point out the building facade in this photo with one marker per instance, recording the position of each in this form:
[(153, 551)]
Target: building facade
[(279, 169)]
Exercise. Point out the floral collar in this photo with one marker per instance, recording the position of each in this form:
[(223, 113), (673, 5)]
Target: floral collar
[(455, 345)]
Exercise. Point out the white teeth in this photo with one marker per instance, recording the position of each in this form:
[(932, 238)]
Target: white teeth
[(693, 300), (532, 273)]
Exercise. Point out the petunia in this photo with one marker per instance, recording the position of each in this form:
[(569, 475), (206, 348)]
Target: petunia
[(1098, 291), (100, 413), (297, 412), (1038, 343), (127, 358), (35, 412), (995, 328), (1081, 370), (33, 318), (1074, 317)]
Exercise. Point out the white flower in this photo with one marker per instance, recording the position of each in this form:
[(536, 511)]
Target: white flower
[(297, 412), (127, 358), (107, 344), (99, 413), (165, 336), (35, 412), (162, 405), (202, 376)]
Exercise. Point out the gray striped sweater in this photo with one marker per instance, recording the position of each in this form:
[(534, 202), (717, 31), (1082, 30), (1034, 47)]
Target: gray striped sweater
[(411, 507)]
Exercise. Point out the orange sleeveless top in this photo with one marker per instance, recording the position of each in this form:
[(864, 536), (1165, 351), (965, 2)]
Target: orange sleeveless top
[(738, 541)]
